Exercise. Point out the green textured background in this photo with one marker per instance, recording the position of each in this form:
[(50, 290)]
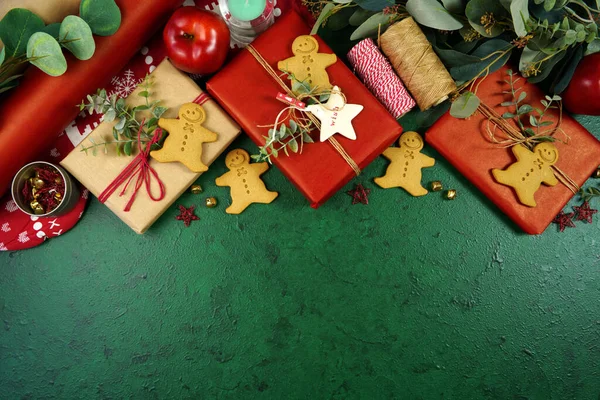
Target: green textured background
[(404, 298)]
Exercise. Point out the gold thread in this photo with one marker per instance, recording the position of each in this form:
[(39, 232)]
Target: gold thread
[(336, 145), (416, 63)]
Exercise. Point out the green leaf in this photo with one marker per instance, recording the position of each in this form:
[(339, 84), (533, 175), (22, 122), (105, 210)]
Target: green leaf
[(293, 126), (524, 109), (455, 6), (469, 71), (465, 105), (2, 55), (103, 16), (533, 120), (360, 16), (120, 125), (325, 12), (370, 26), (519, 11), (142, 107), (529, 132), (44, 52), (306, 138), (76, 36), (340, 19), (144, 93), (478, 8), (127, 148), (53, 30), (16, 28), (549, 4), (427, 118), (374, 5), (452, 58), (110, 115), (293, 145), (508, 115), (282, 131), (159, 111), (432, 14), (521, 97)]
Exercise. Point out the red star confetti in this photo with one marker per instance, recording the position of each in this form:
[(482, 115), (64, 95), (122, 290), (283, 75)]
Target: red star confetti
[(563, 220), (186, 215), (584, 212), (359, 194)]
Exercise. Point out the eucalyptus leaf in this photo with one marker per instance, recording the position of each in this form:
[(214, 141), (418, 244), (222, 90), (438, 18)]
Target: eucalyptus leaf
[(103, 16), (478, 8), (293, 126), (455, 6), (76, 36), (340, 19), (374, 5), (432, 13), (546, 67), (452, 58), (371, 26), (360, 16), (488, 59), (45, 53), (520, 16), (16, 28), (427, 118), (306, 138), (465, 105), (325, 12), (593, 47), (293, 145), (565, 74), (127, 148), (2, 55)]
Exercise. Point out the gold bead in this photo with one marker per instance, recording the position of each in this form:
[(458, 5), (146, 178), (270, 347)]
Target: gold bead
[(58, 181), (196, 189), (211, 202), (37, 182), (57, 196), (37, 207), (34, 193), (436, 186), (450, 194), (596, 174)]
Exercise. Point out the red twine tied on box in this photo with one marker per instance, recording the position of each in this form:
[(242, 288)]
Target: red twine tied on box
[(378, 75), (140, 167)]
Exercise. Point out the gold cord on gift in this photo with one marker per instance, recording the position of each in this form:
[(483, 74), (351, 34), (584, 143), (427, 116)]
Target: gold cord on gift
[(417, 64), (514, 137), (336, 145)]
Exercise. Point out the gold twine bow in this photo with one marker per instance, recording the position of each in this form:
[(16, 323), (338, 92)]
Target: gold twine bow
[(336, 145), (514, 137)]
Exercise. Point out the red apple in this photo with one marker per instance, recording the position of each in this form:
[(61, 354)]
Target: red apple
[(197, 40), (583, 93)]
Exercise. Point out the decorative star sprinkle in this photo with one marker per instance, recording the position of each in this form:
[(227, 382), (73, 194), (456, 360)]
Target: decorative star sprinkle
[(186, 215), (359, 194), (584, 212), (563, 220), (336, 116)]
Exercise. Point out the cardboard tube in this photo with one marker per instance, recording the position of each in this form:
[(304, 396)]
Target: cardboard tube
[(33, 114)]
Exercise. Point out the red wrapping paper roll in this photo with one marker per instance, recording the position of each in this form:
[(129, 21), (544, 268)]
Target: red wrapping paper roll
[(34, 114)]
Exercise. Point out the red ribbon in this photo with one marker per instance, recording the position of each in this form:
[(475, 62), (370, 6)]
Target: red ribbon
[(140, 167)]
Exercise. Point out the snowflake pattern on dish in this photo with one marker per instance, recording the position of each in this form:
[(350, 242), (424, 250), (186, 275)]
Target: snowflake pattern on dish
[(5, 227), (23, 237), (126, 84), (3, 247), (11, 206)]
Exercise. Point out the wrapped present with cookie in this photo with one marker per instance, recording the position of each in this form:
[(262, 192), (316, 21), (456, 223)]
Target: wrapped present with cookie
[(519, 148), (139, 167), (307, 112)]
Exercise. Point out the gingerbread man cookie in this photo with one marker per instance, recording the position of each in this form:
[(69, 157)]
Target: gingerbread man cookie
[(531, 170), (244, 180), (308, 65), (186, 136), (406, 162)]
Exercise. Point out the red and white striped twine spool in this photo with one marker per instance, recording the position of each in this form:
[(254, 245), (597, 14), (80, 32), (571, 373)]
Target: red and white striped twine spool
[(378, 75)]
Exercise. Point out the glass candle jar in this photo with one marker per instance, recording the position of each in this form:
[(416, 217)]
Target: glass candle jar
[(247, 18)]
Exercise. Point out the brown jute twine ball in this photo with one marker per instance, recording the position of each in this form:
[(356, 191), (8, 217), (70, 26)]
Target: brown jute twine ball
[(417, 64)]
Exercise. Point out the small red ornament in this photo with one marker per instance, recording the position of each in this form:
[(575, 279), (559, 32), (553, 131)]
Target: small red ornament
[(186, 215), (359, 194), (584, 212), (563, 220)]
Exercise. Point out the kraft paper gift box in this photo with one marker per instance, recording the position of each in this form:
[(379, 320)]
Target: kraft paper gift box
[(96, 172), (463, 142)]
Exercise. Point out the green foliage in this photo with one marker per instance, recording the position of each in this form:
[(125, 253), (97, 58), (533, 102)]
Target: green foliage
[(44, 52), (589, 193), (125, 130), (371, 26), (286, 139), (103, 16), (325, 13), (53, 30), (432, 13), (77, 37), (16, 28), (465, 105), (374, 5)]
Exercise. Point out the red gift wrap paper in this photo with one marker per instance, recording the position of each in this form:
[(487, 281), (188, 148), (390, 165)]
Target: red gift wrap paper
[(248, 93), (465, 145), (34, 113)]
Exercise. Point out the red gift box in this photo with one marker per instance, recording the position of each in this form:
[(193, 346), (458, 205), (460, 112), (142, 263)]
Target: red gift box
[(465, 144), (248, 93)]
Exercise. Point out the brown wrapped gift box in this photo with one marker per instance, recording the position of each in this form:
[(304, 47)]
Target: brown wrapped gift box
[(173, 88)]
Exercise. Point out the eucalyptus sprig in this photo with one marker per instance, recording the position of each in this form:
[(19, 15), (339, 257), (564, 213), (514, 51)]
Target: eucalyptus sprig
[(588, 194), (27, 39), (125, 131)]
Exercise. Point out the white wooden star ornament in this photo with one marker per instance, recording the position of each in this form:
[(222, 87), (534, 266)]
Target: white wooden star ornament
[(336, 115)]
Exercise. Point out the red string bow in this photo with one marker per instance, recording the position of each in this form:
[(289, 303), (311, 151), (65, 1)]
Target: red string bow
[(141, 168)]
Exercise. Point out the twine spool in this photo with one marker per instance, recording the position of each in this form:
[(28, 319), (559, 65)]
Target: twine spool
[(417, 64), (379, 77)]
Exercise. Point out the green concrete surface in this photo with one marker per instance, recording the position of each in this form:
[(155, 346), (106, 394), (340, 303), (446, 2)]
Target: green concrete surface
[(404, 298)]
